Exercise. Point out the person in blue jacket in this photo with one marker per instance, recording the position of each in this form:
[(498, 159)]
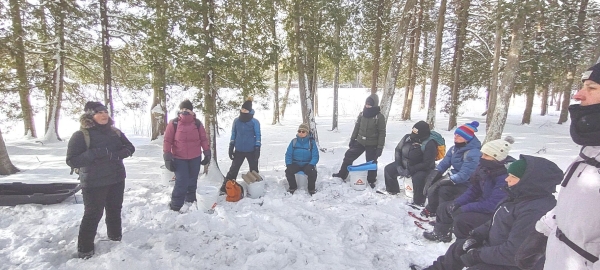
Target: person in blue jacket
[(302, 155), (477, 204), (245, 142), (463, 157)]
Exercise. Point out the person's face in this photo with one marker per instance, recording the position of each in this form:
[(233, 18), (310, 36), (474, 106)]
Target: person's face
[(302, 133), (244, 110), (101, 117), (459, 139), (512, 180), (187, 110), (589, 94), (487, 157), (367, 105)]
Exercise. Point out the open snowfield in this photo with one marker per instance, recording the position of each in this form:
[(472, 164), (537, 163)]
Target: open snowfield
[(337, 228)]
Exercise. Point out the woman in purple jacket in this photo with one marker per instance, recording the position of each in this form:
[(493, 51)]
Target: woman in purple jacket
[(184, 143), (476, 205)]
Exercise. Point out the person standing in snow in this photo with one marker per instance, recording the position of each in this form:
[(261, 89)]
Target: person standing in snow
[(463, 157), (477, 204), (98, 150), (184, 143), (411, 161), (368, 136), (302, 155), (493, 245), (572, 228), (245, 142)]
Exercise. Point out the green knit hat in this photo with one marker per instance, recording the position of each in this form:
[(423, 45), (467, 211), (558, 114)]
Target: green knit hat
[(517, 168)]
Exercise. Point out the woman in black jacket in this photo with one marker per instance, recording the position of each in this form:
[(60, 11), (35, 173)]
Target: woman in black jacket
[(97, 150)]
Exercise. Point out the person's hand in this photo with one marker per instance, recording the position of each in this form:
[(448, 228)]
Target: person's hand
[(546, 224), (169, 165), (231, 156), (445, 181), (403, 172), (257, 152), (310, 167), (351, 143), (429, 180), (123, 153), (471, 258), (207, 157), (378, 152), (531, 250), (470, 243)]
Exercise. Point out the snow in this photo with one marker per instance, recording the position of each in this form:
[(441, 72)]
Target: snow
[(337, 228)]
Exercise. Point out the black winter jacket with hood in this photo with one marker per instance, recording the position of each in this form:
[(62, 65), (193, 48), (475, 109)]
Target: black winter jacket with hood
[(515, 217), (93, 171)]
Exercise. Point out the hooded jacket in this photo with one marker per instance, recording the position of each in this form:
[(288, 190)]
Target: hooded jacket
[(408, 155), (97, 172), (464, 161), (370, 131), (515, 217), (305, 151), (245, 135), (188, 141)]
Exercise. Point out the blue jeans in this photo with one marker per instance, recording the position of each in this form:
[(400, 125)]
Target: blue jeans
[(186, 181)]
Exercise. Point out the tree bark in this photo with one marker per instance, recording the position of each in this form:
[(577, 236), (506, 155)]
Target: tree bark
[(336, 76), (6, 166), (210, 91), (106, 60), (437, 56), (158, 113), (59, 13), (530, 94), (18, 52), (425, 68), (288, 86), (544, 106), (493, 93), (412, 76), (377, 46), (275, 53), (461, 34)]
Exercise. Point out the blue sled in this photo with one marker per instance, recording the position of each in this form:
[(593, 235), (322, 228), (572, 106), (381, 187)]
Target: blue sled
[(368, 166)]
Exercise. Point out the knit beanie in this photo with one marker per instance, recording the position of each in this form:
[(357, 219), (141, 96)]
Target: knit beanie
[(467, 131), (248, 104), (372, 100), (304, 127), (498, 149), (93, 107), (420, 130), (186, 104), (517, 168), (592, 73)]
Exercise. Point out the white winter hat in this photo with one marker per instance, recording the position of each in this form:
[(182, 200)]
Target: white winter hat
[(498, 149)]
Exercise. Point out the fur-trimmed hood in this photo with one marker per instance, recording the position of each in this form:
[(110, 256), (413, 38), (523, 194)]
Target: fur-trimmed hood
[(86, 121)]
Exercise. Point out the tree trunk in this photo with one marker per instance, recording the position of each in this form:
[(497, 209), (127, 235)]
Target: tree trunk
[(558, 101), (509, 77), (46, 85), (336, 75), (493, 93), (461, 35), (106, 61), (275, 53), (437, 56), (530, 94), (377, 46), (396, 58), (545, 91), (425, 69), (412, 77), (6, 166), (18, 52), (158, 113), (59, 13), (288, 86)]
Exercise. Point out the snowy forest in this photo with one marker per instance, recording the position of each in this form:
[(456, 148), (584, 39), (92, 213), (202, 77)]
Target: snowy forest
[(64, 53)]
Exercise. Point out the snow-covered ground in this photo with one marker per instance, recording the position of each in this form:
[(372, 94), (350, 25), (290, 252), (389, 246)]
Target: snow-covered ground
[(337, 228)]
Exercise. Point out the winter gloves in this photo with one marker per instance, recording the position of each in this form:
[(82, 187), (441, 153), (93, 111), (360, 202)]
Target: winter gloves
[(445, 181), (257, 152), (546, 224), (351, 143), (403, 172), (206, 159), (471, 258), (378, 152), (531, 251), (168, 157), (104, 153), (231, 151), (123, 153), (453, 209), (432, 176)]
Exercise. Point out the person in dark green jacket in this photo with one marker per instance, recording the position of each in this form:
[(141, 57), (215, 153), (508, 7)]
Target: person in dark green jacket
[(368, 136)]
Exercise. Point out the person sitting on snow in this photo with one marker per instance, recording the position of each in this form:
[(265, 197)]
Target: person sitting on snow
[(463, 157), (412, 162), (477, 204), (493, 245), (368, 136), (302, 155)]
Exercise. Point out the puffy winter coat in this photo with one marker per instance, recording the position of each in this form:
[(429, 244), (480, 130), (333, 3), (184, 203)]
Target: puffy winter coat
[(515, 217), (463, 165), (98, 172), (188, 141), (577, 216), (409, 155), (305, 151), (486, 189), (245, 135)]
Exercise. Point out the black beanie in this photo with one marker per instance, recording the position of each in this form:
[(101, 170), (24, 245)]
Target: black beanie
[(187, 104), (592, 73), (421, 130), (94, 107), (247, 104)]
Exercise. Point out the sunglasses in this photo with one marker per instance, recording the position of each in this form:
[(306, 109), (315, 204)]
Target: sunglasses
[(301, 131)]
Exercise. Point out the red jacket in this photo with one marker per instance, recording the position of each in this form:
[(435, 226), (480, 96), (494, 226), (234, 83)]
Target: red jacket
[(185, 143)]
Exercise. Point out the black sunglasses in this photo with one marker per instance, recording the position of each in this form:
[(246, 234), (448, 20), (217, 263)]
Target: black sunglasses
[(301, 131)]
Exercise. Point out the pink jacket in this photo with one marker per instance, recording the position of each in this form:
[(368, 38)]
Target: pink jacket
[(185, 143)]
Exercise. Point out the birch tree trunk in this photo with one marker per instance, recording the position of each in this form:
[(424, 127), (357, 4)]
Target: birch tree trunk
[(435, 74), (508, 79), (158, 114), (396, 58), (18, 52), (6, 166)]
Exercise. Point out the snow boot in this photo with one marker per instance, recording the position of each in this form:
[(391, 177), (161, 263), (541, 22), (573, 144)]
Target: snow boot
[(427, 214), (85, 255), (372, 185), (312, 192), (339, 175), (441, 233), (291, 190)]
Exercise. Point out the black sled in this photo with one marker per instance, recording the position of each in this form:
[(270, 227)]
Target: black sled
[(16, 193)]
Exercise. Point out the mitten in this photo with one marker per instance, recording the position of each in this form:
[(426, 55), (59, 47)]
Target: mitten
[(231, 156), (206, 159)]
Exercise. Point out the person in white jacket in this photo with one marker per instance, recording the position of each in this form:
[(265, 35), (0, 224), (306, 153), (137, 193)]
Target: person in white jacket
[(573, 226)]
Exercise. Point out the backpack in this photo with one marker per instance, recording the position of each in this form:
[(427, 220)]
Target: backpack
[(310, 146), (441, 144), (235, 191), (86, 139), (176, 121)]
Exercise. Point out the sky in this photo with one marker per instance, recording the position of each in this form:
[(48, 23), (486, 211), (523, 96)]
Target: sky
[(337, 228)]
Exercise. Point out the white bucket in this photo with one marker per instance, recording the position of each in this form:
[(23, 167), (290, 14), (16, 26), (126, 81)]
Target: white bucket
[(401, 181), (207, 198), (358, 180), (408, 187), (256, 189), (168, 177), (301, 181)]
